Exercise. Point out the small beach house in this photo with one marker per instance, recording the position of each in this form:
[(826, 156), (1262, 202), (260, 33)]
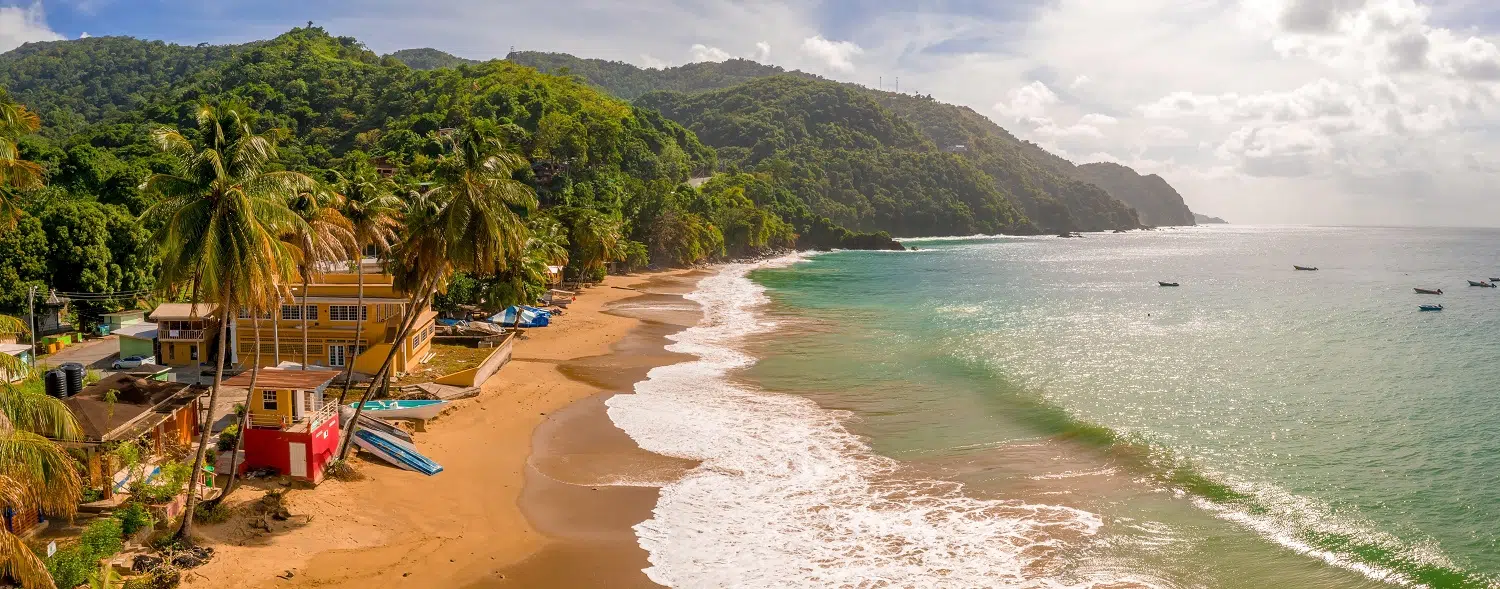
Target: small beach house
[(162, 415), (289, 426), (112, 322), (186, 333), (138, 340)]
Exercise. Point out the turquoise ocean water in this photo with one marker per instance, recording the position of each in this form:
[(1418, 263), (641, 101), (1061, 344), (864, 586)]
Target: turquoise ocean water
[(1254, 427)]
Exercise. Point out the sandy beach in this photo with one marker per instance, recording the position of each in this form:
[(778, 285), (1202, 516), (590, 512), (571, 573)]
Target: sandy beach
[(539, 488)]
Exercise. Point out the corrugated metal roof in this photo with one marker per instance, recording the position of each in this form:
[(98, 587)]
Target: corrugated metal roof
[(138, 331), (282, 379)]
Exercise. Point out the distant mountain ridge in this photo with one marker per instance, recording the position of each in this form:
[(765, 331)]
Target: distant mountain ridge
[(1207, 220), (1157, 203), (1050, 189)]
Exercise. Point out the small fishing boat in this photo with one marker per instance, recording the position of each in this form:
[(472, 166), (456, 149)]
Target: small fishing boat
[(1495, 280), (1482, 284), (1307, 268), (1168, 283), (1430, 307), (1436, 291), (410, 409)]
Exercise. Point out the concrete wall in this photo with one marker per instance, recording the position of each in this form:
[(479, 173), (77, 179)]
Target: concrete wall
[(130, 346), (477, 375), (180, 354)]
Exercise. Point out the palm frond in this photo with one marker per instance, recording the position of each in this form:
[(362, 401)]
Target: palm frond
[(18, 562)]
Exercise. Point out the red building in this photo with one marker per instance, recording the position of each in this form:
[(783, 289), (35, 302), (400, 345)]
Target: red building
[(290, 426)]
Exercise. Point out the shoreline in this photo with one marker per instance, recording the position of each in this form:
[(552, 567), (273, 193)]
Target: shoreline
[(516, 505)]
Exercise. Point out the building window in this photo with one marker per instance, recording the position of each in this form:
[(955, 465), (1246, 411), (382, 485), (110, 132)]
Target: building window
[(312, 312), (193, 352), (289, 312), (346, 313), (336, 355), (268, 400)]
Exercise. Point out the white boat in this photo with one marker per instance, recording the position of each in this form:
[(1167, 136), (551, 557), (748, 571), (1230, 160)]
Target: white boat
[(411, 409)]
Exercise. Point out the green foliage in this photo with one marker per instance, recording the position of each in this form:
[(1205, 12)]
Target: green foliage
[(102, 537), (681, 238), (23, 263), (630, 82), (217, 513), (845, 156), (165, 486), (228, 438), (428, 58), (78, 564), (133, 518), (635, 256)]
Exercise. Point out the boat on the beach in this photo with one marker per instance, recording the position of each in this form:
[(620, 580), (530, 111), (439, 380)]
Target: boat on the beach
[(395, 451), (1307, 268), (1430, 307), (1481, 283), (1436, 291), (1167, 283), (407, 409)]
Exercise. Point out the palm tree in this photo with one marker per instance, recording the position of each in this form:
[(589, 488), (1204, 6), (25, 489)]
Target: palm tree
[(476, 226), (219, 215), (257, 307), (596, 239), (323, 236), (374, 213), (11, 365), (34, 471), (16, 121)]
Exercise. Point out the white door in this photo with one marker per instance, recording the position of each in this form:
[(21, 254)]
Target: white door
[(335, 355), (299, 458)]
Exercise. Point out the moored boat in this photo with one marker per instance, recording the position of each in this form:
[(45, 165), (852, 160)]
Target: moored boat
[(1436, 291), (1481, 283), (1430, 307), (408, 409), (1306, 268), (1167, 283)]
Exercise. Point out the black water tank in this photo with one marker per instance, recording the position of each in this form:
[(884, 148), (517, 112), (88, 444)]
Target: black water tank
[(56, 383), (74, 372)]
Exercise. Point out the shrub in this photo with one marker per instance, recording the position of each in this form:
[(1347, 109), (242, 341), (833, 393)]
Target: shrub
[(102, 537), (217, 513), (71, 566), (228, 438), (134, 518), (342, 470), (165, 486)]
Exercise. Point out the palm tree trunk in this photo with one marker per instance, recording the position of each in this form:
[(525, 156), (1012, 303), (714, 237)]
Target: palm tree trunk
[(359, 327), (413, 312), (275, 332), (186, 530), (304, 320), (239, 442)]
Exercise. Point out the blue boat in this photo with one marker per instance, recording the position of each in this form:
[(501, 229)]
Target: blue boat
[(1431, 307), (409, 409), (396, 452), (528, 317)]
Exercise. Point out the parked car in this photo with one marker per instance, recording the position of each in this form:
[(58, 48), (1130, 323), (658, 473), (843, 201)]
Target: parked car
[(132, 362)]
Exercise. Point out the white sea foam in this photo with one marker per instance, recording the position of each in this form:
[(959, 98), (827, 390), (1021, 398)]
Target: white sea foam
[(785, 496)]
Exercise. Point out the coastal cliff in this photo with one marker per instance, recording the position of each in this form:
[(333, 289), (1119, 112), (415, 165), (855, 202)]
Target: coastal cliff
[(1155, 201)]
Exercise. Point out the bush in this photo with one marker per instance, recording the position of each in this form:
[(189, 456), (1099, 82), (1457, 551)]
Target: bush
[(342, 470), (71, 566), (165, 486), (102, 537), (134, 518), (217, 513), (228, 438)]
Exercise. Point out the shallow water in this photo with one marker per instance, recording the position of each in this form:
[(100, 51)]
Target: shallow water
[(1038, 412)]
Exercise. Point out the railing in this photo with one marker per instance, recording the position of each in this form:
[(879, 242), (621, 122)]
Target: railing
[(287, 421), (180, 334)]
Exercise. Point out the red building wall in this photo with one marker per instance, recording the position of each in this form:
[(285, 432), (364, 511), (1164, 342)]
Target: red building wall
[(272, 448)]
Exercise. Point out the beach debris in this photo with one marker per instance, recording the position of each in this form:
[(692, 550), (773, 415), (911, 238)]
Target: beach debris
[(287, 574), (143, 563), (190, 557)]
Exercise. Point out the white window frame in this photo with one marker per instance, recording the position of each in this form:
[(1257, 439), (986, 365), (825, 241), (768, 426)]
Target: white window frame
[(341, 358), (268, 400), (290, 312)]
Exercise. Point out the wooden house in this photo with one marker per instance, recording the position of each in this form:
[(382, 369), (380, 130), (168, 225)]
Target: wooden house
[(290, 428)]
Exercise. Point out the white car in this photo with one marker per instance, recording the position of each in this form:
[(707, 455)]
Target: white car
[(132, 362)]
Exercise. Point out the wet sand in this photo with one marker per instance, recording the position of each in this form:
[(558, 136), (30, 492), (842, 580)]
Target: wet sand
[(529, 496)]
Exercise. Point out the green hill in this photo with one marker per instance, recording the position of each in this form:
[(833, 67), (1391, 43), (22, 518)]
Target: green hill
[(1047, 188), (1157, 202), (845, 155), (428, 58)]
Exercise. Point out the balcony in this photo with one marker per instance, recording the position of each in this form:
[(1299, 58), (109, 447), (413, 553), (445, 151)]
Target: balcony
[(191, 335), (293, 424)]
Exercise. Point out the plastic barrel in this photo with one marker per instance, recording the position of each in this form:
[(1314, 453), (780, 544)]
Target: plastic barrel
[(74, 373), (56, 383)]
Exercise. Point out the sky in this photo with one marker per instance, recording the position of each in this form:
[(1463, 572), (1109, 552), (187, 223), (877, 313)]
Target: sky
[(1371, 112)]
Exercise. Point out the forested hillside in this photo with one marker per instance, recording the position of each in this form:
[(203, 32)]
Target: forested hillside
[(428, 58), (610, 177), (1049, 189), (844, 155), (1157, 203)]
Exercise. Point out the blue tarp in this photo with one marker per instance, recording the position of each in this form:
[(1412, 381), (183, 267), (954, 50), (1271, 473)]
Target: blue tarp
[(529, 317)]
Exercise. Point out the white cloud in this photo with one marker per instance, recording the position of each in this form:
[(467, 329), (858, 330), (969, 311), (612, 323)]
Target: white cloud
[(84, 35), (762, 52), (835, 54), (1097, 120), (24, 24), (1028, 102), (651, 62), (1078, 82), (700, 52)]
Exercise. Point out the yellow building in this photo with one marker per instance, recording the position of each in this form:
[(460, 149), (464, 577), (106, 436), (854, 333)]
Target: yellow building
[(185, 333), (332, 339)]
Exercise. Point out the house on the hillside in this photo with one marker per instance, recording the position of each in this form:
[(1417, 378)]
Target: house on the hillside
[(290, 426), (112, 322), (186, 333), (383, 166)]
